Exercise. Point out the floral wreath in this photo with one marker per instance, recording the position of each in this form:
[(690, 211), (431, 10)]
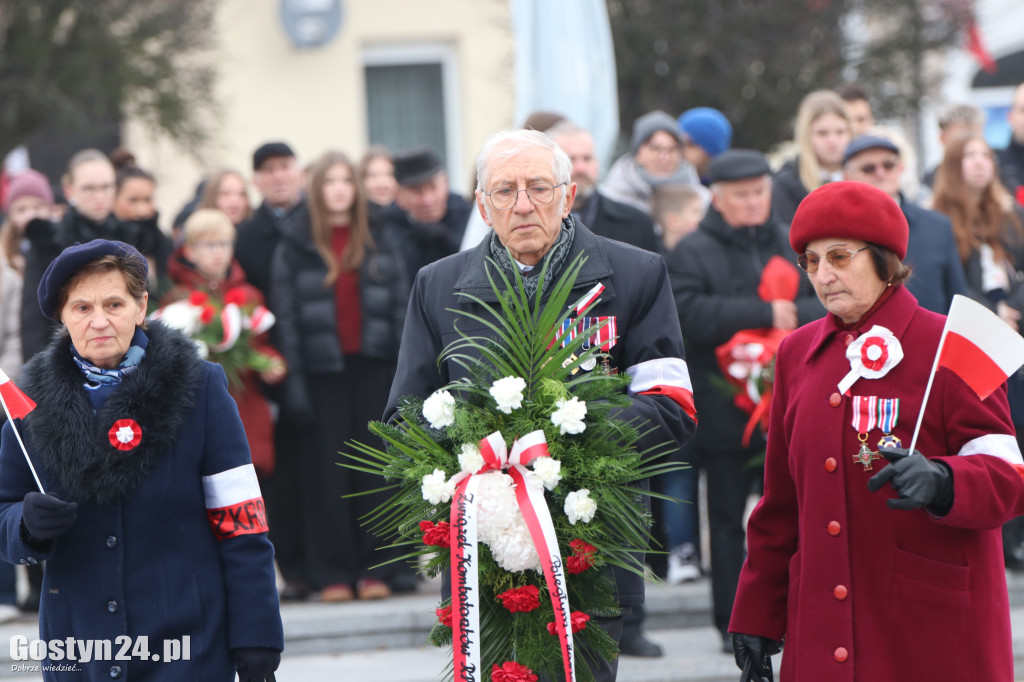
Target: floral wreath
[(554, 477)]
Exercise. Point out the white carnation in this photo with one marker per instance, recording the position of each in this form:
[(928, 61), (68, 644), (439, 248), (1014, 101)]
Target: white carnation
[(181, 315), (508, 393), (470, 458), (548, 470), (568, 415), (439, 409), (436, 489), (579, 506), (500, 524)]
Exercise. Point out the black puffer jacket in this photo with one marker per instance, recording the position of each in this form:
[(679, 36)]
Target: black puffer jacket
[(306, 331)]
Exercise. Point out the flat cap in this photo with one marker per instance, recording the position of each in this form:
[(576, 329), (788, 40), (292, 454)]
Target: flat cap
[(416, 166), (268, 150), (738, 164), (850, 210), (70, 261), (862, 143)]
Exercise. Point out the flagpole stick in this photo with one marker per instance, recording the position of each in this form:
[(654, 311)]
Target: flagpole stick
[(928, 388), (22, 444)]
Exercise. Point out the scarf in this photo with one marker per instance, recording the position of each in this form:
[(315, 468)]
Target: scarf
[(100, 383), (555, 258)]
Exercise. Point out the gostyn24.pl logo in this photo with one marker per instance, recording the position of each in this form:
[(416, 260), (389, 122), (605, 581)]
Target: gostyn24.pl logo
[(122, 648)]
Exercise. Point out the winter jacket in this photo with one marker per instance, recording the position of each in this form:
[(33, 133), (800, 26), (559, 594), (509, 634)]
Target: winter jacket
[(621, 222), (259, 236), (424, 243), (931, 250), (630, 184), (788, 191), (170, 539), (862, 592), (636, 293), (715, 273), (306, 331)]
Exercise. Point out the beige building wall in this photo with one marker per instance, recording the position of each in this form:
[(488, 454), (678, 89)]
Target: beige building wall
[(315, 99)]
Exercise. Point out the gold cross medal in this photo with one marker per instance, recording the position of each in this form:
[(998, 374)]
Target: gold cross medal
[(865, 418)]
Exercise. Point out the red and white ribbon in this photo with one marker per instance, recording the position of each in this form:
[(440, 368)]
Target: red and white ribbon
[(260, 320), (231, 323), (589, 298), (466, 634), (871, 356)]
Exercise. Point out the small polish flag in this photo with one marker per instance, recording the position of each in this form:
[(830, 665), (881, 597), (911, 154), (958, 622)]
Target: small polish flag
[(17, 403), (979, 347)]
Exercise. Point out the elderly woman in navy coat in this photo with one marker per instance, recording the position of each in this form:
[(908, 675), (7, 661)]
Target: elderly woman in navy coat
[(152, 525)]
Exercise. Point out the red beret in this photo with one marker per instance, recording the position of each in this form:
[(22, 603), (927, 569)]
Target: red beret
[(850, 210)]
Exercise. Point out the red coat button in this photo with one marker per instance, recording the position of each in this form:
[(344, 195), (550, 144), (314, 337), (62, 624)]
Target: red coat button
[(840, 654), (831, 464), (840, 592), (835, 400), (834, 528)]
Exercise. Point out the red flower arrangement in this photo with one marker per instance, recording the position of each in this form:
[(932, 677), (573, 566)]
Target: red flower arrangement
[(510, 671), (438, 535), (582, 556), (444, 615), (525, 598), (577, 619)]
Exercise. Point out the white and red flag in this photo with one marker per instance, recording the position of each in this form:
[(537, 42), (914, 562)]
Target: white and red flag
[(16, 403), (979, 347)]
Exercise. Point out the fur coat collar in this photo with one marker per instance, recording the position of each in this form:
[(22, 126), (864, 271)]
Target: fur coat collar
[(73, 445)]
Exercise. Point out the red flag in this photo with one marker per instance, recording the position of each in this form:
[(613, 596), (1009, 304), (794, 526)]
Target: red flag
[(979, 347), (17, 403), (977, 48)]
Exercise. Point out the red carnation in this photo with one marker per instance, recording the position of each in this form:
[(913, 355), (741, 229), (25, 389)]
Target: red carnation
[(582, 556), (525, 598), (235, 295), (577, 619), (444, 616), (198, 298), (207, 314), (438, 535), (510, 671)]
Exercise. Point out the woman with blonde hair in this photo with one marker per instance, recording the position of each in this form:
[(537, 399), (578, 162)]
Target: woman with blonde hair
[(340, 294), (823, 130), (227, 191)]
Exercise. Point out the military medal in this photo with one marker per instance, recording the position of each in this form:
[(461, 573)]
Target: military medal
[(865, 418), (580, 327), (888, 413)]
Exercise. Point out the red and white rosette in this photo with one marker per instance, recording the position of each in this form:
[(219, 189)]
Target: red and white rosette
[(871, 356), (465, 584)]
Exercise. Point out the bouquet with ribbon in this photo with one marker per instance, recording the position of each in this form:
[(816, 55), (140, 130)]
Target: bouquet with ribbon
[(226, 330), (519, 483), (747, 360)]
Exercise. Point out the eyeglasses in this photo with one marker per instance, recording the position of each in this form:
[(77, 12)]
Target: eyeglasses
[(213, 246), (96, 189), (870, 168), (658, 149), (839, 259), (540, 193)]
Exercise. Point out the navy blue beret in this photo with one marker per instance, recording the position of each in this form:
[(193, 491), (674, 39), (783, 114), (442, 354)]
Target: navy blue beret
[(70, 261)]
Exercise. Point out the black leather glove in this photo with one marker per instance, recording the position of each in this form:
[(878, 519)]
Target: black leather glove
[(256, 664), (753, 656), (47, 516), (920, 482)]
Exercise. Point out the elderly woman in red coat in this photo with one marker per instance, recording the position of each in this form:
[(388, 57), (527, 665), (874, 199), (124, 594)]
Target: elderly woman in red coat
[(875, 570)]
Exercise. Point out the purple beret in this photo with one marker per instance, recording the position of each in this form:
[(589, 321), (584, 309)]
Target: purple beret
[(70, 261)]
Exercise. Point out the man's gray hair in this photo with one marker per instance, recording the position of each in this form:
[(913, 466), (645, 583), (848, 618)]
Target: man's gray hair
[(966, 114), (508, 143)]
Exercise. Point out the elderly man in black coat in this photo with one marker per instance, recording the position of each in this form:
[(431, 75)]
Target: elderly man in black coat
[(532, 226), (715, 276)]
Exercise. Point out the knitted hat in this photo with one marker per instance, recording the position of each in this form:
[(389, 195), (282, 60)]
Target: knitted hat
[(738, 164), (648, 124), (707, 128), (70, 261), (28, 183), (850, 210)]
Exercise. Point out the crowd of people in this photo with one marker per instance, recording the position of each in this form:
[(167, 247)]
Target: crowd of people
[(333, 248)]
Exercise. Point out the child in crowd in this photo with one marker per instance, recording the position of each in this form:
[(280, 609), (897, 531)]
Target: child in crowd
[(205, 265), (677, 210)]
